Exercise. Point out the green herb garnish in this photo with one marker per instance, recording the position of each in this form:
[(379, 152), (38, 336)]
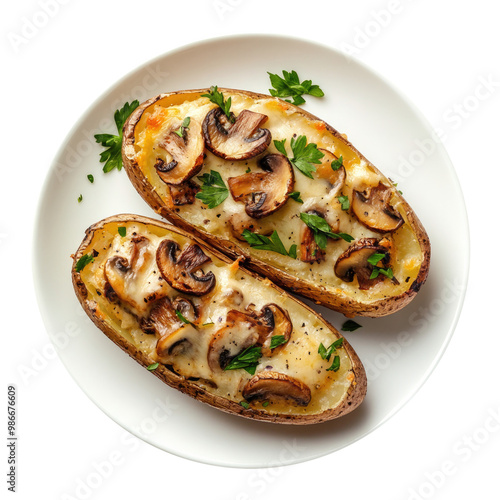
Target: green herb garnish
[(184, 125), (245, 405), (350, 326), (265, 403), (335, 364), (374, 259), (213, 190), (296, 196), (122, 231), (290, 86), (336, 164), (247, 360), (344, 202), (273, 244), (305, 156), (182, 318), (154, 366), (277, 340), (80, 198), (112, 156), (90, 177), (326, 353), (83, 261), (322, 230), (218, 98)]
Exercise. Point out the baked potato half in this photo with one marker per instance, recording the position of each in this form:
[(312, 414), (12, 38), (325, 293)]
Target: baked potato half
[(212, 329), (272, 183)]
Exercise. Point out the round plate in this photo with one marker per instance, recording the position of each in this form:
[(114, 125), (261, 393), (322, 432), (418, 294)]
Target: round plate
[(398, 351)]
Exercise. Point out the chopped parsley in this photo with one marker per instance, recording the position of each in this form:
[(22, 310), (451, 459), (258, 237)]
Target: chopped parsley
[(153, 367), (295, 195), (336, 164), (182, 318), (245, 405), (246, 360), (90, 177), (305, 155), (218, 98), (80, 198), (213, 190), (277, 340), (326, 353), (290, 86), (322, 230), (184, 125), (112, 156), (335, 364), (273, 244), (122, 231), (344, 202), (83, 261), (374, 260), (350, 326)]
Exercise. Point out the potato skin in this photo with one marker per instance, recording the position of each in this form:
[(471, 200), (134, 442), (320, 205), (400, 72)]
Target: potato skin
[(352, 398), (345, 305)]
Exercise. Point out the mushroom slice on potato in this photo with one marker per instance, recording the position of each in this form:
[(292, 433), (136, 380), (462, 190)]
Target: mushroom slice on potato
[(240, 332), (372, 208), (122, 274), (279, 325), (264, 192), (184, 153), (162, 320), (274, 387), (238, 140), (183, 194), (354, 261), (183, 272)]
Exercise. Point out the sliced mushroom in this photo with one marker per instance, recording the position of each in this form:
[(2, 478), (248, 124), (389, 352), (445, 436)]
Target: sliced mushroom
[(181, 350), (372, 208), (162, 320), (274, 387), (354, 261), (239, 222), (240, 140), (122, 274), (264, 192), (184, 194), (309, 249), (325, 171), (279, 324), (184, 157), (240, 332), (183, 272), (186, 308)]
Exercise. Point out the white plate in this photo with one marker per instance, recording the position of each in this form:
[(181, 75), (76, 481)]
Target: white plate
[(399, 351)]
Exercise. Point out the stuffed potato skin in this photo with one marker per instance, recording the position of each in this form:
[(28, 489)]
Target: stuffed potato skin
[(99, 305), (334, 293)]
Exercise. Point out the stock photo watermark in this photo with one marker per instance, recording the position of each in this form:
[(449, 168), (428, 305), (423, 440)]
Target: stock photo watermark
[(224, 7), (102, 469), (462, 451), (32, 24)]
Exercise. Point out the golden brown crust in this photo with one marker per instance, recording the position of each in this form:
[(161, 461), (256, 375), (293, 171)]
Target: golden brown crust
[(345, 305), (353, 397)]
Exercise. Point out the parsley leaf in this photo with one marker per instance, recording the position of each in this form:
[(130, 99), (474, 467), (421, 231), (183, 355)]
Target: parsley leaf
[(90, 177), (277, 340), (182, 318), (335, 364), (326, 353), (245, 405), (80, 198), (322, 230), (290, 86), (213, 190), (184, 125), (152, 367), (122, 231), (112, 156), (273, 244), (218, 98), (336, 164), (344, 202), (248, 360), (350, 326), (374, 259), (83, 261), (296, 196), (304, 155)]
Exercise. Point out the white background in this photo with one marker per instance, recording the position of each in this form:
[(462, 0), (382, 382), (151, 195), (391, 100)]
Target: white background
[(59, 56)]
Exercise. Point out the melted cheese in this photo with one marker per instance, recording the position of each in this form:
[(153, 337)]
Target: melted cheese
[(234, 289), (284, 122)]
